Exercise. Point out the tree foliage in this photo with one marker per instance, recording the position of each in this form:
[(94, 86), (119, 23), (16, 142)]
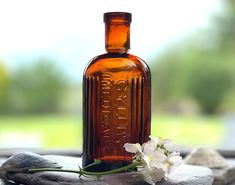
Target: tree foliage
[(34, 88), (37, 88), (201, 68), (4, 88)]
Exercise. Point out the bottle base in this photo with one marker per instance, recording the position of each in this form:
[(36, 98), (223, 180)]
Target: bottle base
[(108, 163)]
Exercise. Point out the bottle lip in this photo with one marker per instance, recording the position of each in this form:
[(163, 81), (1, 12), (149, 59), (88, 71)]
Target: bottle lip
[(117, 17)]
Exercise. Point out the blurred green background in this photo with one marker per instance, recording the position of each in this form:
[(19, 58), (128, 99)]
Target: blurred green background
[(193, 84)]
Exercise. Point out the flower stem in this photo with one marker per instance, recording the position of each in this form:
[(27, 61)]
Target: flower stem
[(83, 172), (96, 162)]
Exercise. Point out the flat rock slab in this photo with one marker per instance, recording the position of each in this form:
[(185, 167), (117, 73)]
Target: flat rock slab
[(183, 175)]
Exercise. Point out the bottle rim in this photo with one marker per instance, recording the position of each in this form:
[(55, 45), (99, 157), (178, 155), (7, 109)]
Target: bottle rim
[(117, 17)]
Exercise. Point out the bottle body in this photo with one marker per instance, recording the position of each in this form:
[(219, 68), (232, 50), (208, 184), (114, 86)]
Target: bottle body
[(116, 108)]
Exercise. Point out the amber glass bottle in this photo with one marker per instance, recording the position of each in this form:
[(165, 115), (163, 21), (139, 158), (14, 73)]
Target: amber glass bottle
[(116, 98)]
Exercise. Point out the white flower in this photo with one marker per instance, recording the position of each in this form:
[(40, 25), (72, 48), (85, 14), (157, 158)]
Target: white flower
[(154, 158), (166, 143), (133, 148), (175, 158), (152, 176), (172, 161)]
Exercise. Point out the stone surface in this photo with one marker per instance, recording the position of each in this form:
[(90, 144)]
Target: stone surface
[(190, 175), (184, 175), (26, 160), (226, 175), (1, 161)]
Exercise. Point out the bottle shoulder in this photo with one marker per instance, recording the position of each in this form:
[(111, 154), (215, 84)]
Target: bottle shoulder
[(117, 56), (116, 62)]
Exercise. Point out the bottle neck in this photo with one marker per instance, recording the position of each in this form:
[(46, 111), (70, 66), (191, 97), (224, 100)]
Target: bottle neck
[(117, 34)]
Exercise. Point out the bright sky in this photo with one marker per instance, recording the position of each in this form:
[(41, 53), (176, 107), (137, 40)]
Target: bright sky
[(72, 31)]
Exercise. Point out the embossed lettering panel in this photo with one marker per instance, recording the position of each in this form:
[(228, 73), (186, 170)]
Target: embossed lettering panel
[(114, 114), (113, 122), (118, 115)]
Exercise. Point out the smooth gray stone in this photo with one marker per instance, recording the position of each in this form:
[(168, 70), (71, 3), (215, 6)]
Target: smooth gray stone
[(190, 175), (225, 176), (183, 175), (24, 161), (2, 160), (27, 160)]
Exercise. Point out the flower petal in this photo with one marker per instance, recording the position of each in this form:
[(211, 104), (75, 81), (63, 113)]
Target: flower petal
[(175, 158), (154, 139), (153, 175), (132, 148), (158, 160), (147, 160), (168, 144)]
